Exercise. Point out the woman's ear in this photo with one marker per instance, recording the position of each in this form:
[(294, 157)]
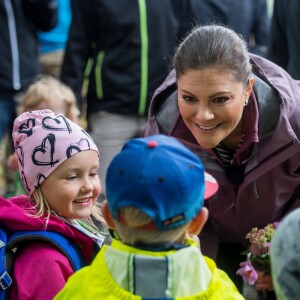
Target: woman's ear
[(249, 86), (198, 222), (107, 215)]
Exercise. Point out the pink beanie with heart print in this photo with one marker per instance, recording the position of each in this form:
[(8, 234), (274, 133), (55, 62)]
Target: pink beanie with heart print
[(43, 140)]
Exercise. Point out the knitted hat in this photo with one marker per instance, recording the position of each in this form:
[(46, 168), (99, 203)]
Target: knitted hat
[(43, 140), (162, 178)]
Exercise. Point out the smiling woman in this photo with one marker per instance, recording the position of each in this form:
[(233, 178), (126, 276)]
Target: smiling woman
[(238, 113), (211, 104)]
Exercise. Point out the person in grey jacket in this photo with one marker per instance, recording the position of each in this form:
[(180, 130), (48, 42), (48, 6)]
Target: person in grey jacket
[(284, 43), (240, 114), (285, 257), (19, 22)]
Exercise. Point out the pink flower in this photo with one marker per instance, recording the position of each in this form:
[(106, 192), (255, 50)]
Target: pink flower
[(247, 272), (258, 254), (267, 247), (256, 249)]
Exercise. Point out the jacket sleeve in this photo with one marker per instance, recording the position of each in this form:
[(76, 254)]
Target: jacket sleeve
[(294, 202), (79, 47), (40, 272), (261, 27), (42, 13), (277, 49), (188, 16)]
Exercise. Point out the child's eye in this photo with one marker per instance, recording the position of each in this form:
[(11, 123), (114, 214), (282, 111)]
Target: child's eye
[(94, 174), (72, 177)]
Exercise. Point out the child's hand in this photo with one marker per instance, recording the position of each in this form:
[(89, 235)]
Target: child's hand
[(264, 282)]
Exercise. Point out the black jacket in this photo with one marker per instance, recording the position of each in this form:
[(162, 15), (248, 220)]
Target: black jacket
[(249, 18), (284, 46), (130, 44), (19, 22)]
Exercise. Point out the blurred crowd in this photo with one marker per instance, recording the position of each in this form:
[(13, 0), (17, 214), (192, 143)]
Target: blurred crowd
[(101, 62)]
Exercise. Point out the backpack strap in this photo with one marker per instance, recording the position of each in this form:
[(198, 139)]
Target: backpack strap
[(64, 244), (5, 279)]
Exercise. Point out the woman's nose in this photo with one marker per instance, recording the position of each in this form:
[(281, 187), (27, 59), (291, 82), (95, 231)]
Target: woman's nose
[(204, 113)]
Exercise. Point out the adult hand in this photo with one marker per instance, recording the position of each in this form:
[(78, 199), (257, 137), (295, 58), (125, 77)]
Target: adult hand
[(264, 282)]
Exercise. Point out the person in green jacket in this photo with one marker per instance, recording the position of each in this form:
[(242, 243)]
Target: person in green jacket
[(155, 203)]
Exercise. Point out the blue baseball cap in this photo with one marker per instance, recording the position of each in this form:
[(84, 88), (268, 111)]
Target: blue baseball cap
[(161, 177)]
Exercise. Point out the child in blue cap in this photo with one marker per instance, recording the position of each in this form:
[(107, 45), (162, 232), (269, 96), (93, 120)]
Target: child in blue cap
[(155, 193)]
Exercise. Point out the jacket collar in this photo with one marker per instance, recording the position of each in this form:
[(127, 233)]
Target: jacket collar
[(168, 271)]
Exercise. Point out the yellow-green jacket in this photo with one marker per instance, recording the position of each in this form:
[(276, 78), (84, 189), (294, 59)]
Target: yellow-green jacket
[(121, 272)]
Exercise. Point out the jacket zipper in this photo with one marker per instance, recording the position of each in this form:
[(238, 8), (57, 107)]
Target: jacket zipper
[(271, 156), (13, 44), (144, 57), (86, 76), (98, 75)]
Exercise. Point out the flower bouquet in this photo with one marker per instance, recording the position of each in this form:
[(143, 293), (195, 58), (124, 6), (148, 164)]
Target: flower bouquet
[(258, 254)]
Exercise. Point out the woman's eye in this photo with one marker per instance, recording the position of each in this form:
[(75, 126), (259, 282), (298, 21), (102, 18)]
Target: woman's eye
[(188, 98), (220, 100)]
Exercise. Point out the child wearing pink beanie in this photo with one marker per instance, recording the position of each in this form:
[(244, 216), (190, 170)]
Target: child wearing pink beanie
[(59, 165)]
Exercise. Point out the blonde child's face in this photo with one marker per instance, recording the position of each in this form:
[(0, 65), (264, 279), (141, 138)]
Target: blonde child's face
[(56, 106), (73, 188)]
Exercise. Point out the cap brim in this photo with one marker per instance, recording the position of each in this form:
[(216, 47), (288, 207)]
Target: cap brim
[(211, 186)]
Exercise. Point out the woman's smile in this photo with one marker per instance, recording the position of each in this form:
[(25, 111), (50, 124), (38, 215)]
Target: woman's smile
[(207, 128)]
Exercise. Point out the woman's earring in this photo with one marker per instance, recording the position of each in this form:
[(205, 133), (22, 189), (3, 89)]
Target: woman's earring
[(246, 102)]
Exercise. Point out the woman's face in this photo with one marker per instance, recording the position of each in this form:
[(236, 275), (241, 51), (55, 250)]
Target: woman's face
[(211, 104)]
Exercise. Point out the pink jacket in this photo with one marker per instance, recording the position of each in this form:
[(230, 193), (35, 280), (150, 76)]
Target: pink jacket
[(40, 270)]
